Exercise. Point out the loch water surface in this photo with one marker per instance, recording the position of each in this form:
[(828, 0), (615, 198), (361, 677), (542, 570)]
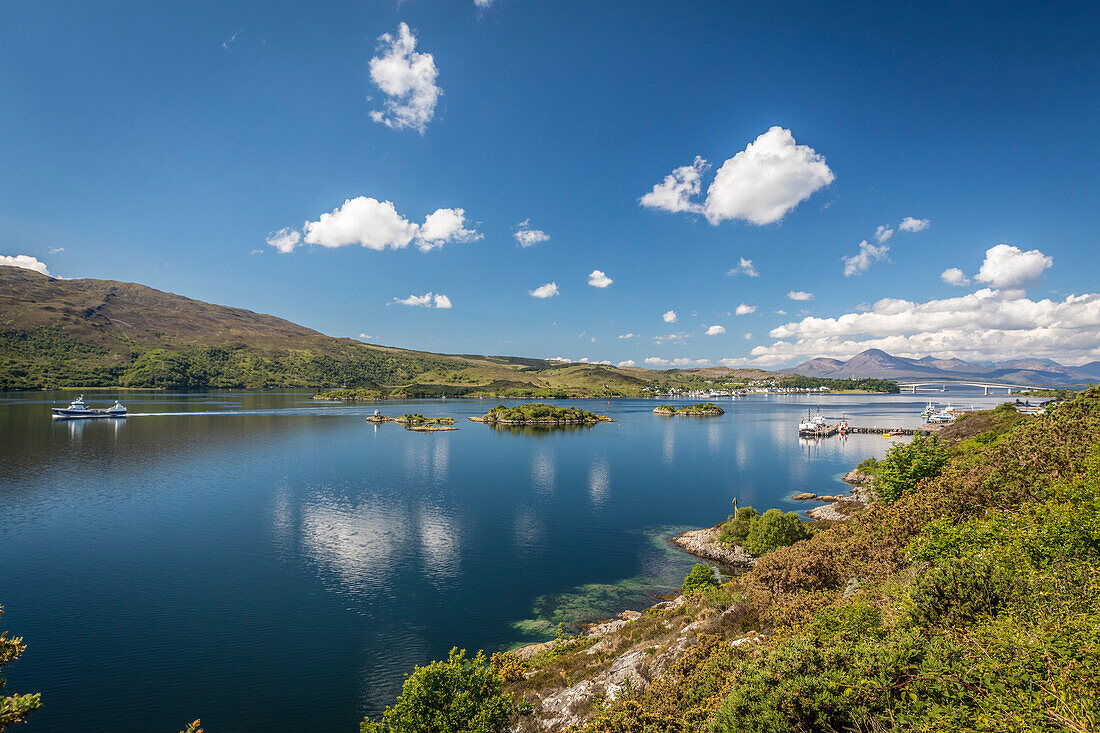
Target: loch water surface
[(271, 563)]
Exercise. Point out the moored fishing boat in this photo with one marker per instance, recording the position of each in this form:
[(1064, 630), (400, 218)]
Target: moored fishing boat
[(77, 409)]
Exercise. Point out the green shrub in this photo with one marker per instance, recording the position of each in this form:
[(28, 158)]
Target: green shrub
[(735, 529), (961, 591), (701, 577), (774, 530), (906, 464), (868, 466), (457, 696)]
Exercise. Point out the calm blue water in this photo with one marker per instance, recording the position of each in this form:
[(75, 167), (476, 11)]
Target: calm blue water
[(268, 563)]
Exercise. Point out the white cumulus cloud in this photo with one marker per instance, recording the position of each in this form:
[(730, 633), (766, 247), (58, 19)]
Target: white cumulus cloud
[(986, 324), (628, 335), (676, 191), (745, 309), (25, 261), (800, 295), (669, 317), (549, 290), (598, 279), (376, 225), (860, 262), (744, 267), (883, 233), (715, 330), (954, 276), (909, 224), (285, 239), (626, 363), (427, 300), (1006, 266), (760, 184), (767, 179), (408, 79), (442, 226), (528, 237)]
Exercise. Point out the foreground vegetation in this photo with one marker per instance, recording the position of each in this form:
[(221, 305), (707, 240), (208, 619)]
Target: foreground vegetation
[(14, 708), (965, 598)]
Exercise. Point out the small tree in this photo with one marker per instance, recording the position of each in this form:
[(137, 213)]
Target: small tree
[(457, 696), (774, 530), (906, 464), (14, 708), (700, 578), (735, 529)]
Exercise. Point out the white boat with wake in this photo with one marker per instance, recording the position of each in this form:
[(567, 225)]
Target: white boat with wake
[(77, 409)]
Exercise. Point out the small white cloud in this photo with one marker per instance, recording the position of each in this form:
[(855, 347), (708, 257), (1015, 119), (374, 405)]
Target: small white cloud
[(628, 335), (763, 182), (365, 336), (954, 276), (598, 279), (868, 253), (656, 361), (442, 226), (255, 251), (408, 79), (56, 250), (744, 267), (674, 337), (560, 359), (549, 290), (748, 337), (627, 363), (284, 240), (883, 233), (228, 42), (669, 317), (780, 312), (715, 330), (800, 295), (675, 192), (26, 262), (744, 309), (483, 3), (909, 224), (427, 300), (527, 237), (1006, 266)]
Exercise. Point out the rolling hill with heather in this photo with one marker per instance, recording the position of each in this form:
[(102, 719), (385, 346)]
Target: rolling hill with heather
[(89, 333), (875, 363)]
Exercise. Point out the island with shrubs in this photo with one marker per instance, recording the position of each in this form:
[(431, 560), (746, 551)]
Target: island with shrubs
[(538, 413), (417, 422), (421, 424), (702, 409)]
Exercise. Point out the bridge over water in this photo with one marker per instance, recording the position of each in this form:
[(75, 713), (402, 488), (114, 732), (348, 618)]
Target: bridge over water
[(942, 386)]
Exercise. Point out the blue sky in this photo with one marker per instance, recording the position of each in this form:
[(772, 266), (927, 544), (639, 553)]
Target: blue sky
[(166, 143)]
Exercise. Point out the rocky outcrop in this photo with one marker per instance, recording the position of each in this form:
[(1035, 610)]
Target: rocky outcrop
[(635, 669), (704, 543)]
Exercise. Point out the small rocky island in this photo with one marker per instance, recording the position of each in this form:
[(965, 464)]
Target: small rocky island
[(417, 422), (538, 413), (702, 409)]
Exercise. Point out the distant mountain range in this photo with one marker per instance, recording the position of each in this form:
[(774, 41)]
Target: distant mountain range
[(876, 363)]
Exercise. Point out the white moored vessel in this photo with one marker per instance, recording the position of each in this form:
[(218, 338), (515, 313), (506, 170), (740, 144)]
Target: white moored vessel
[(77, 408), (814, 425)]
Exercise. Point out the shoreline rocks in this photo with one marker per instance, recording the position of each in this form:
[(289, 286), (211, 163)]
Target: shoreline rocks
[(704, 544)]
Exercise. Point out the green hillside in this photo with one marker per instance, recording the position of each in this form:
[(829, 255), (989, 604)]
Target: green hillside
[(58, 333), (103, 333)]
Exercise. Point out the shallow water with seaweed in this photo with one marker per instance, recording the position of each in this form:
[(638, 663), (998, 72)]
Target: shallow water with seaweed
[(240, 556)]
